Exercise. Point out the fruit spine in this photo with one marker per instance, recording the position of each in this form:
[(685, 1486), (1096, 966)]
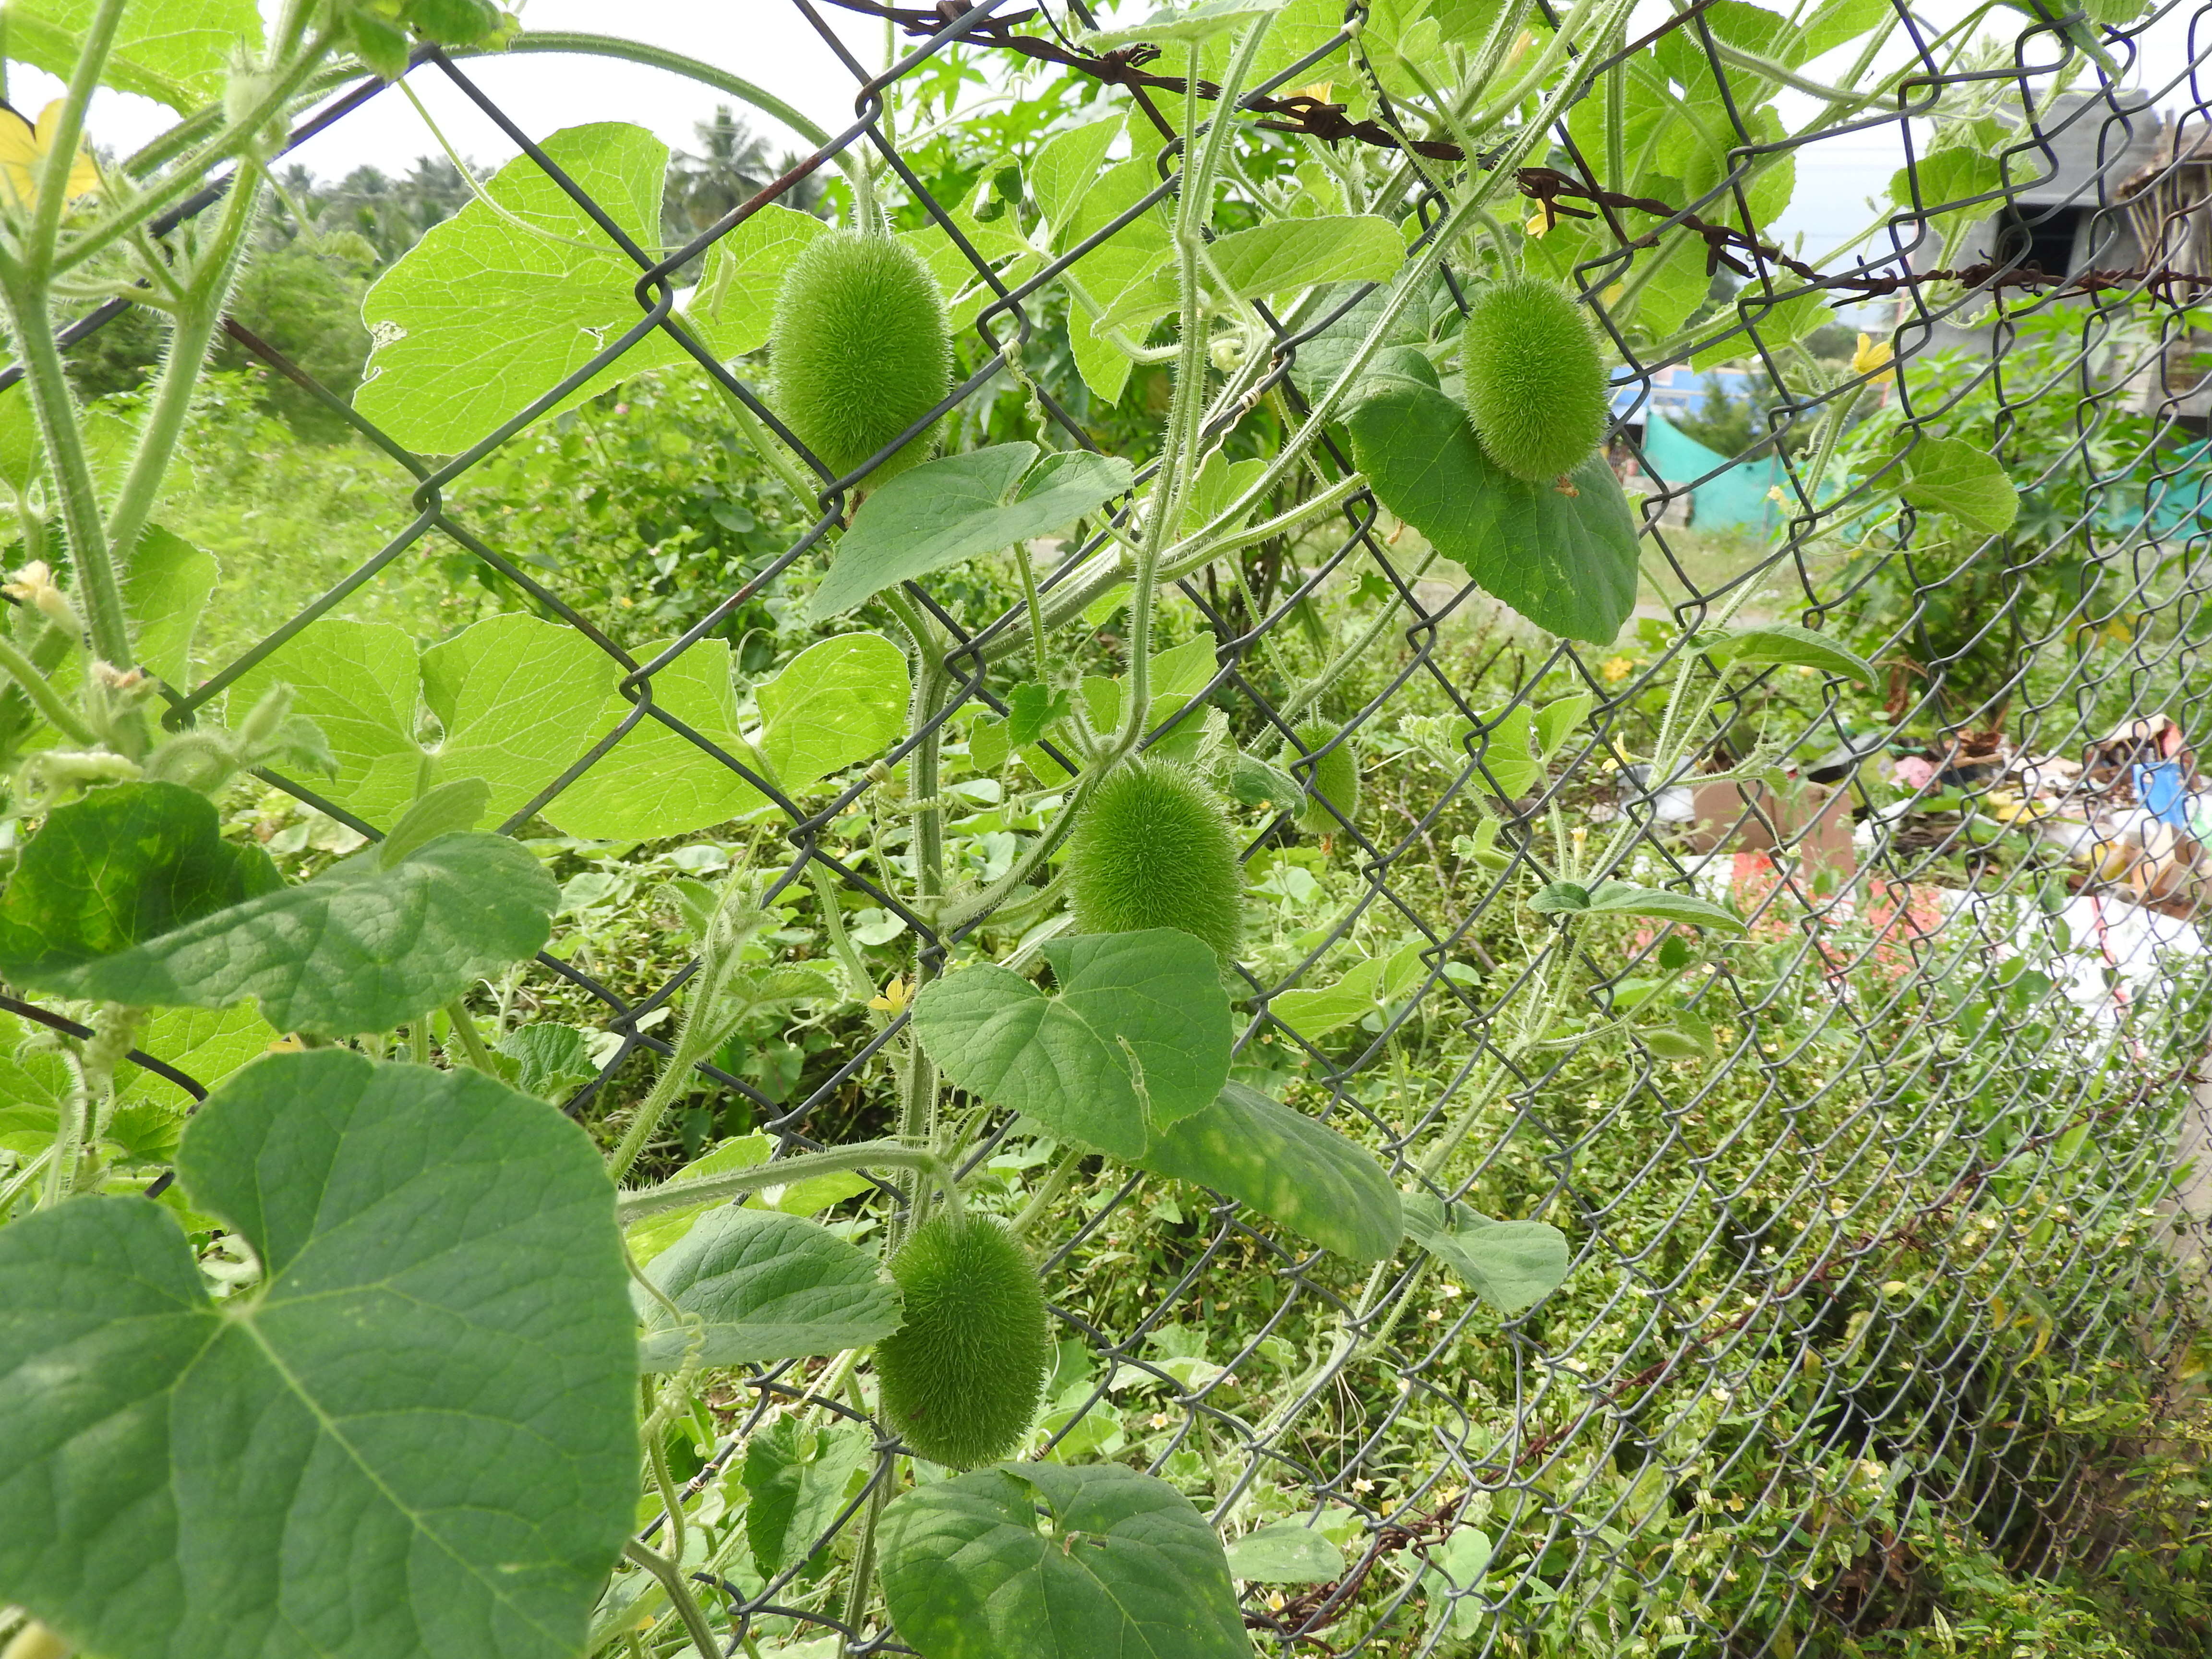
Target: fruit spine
[(1153, 848), (960, 1378), (860, 350), (1536, 389)]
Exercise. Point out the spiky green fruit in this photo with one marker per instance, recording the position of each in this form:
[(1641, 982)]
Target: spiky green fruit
[(1153, 848), (860, 350), (1335, 778), (1535, 379), (960, 1379)]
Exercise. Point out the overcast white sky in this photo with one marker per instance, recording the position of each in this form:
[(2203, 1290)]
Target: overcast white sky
[(771, 43)]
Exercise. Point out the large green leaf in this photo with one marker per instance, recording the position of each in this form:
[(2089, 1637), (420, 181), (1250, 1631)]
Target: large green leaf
[(1068, 166), (1137, 1038), (1281, 256), (796, 1478), (1285, 1553), (518, 700), (1366, 985), (174, 52), (417, 1436), (122, 866), (206, 1044), (1511, 1265), (499, 304), (766, 1286), (360, 684), (1130, 1570), (1788, 642), (1287, 1167), (959, 507), (165, 592), (837, 701), (1949, 475), (360, 948), (731, 307), (1566, 563)]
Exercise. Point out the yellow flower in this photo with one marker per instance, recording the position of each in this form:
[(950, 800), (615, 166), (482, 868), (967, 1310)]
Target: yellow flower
[(1776, 495), (1317, 90), (893, 1000), (1541, 220), (23, 149), (1872, 355), (1617, 669)]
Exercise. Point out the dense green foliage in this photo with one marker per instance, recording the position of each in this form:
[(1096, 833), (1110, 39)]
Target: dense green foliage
[(715, 1000)]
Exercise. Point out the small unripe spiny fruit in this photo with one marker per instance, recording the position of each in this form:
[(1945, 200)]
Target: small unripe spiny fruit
[(1536, 382), (1335, 779), (1153, 848), (960, 1378), (860, 350)]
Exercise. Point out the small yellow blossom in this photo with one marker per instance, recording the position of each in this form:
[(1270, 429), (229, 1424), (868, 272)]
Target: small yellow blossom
[(33, 585), (893, 1000), (23, 149), (1871, 356), (1317, 90), (1775, 495), (1611, 295), (1616, 669), (1541, 220)]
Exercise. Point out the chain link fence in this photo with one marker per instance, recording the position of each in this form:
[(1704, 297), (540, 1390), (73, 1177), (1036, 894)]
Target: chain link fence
[(1882, 1332)]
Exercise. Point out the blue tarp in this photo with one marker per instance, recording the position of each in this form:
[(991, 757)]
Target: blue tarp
[(1733, 495)]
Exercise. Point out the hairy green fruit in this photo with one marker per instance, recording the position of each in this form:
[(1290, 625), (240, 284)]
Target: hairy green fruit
[(1335, 778), (860, 350), (1153, 848), (1536, 382), (960, 1378)]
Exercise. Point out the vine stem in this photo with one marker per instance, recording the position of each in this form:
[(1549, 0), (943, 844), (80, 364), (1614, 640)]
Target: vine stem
[(737, 1183), (679, 1596), (197, 317), (43, 696), (472, 1043)]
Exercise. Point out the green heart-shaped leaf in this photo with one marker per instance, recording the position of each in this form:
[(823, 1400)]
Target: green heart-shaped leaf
[(360, 948), (1130, 1570), (1285, 1553), (1623, 898), (1563, 555), (417, 1436), (1949, 475), (1287, 1167), (960, 507), (767, 1287), (1137, 1038), (1511, 1265), (120, 866)]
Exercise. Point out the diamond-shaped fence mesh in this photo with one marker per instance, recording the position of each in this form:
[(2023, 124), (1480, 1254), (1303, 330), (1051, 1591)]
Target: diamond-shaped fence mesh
[(1883, 1313)]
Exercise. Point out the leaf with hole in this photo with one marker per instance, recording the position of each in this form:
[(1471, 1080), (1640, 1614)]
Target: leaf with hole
[(1128, 1570), (765, 1286), (432, 1395), (1286, 1166), (1136, 1037), (1562, 554), (958, 508), (360, 948), (1511, 1265)]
